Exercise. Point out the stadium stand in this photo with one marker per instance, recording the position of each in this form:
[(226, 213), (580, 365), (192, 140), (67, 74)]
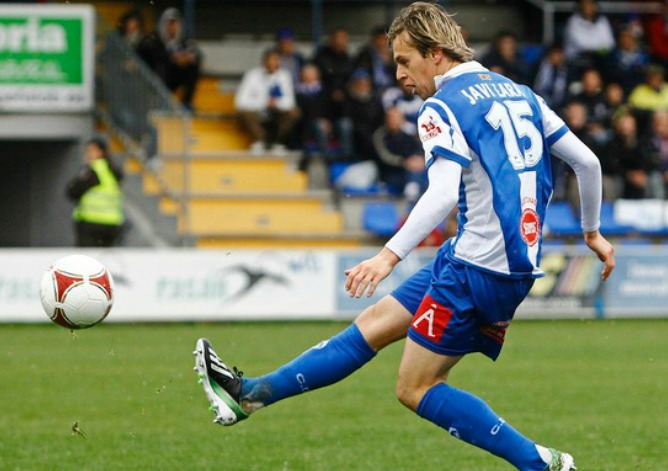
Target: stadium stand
[(381, 218), (560, 220), (609, 224), (216, 171)]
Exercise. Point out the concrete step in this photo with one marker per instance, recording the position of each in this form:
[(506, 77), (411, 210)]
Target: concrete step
[(203, 135), (216, 135), (221, 174), (211, 99), (334, 240), (261, 216)]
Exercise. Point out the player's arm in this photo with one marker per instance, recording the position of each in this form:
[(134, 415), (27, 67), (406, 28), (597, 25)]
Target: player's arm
[(587, 169), (566, 146), (430, 210)]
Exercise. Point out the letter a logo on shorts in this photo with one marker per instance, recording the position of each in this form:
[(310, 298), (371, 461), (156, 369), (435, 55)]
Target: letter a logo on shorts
[(431, 319)]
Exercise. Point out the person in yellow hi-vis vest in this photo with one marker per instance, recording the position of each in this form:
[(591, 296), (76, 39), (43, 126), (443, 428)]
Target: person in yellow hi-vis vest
[(98, 215)]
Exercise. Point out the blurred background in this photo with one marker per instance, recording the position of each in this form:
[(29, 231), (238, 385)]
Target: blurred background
[(231, 196)]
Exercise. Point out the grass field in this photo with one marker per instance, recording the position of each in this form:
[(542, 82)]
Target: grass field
[(595, 388)]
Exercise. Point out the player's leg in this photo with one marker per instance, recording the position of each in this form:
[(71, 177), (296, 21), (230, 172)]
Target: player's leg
[(331, 360), (234, 398), (422, 388), (466, 311)]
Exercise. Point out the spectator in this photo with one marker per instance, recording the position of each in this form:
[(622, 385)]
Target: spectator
[(336, 65), (365, 111), (591, 95), (173, 57), (129, 112), (653, 93), (640, 173), (363, 114), (408, 103), (656, 32), (504, 58), (614, 98), (575, 116), (627, 62), (633, 23), (98, 215), (290, 58), (316, 127), (376, 59), (551, 81), (266, 104), (588, 36), (400, 156), (656, 143), (131, 28)]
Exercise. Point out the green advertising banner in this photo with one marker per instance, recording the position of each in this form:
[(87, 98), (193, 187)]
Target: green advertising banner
[(46, 57)]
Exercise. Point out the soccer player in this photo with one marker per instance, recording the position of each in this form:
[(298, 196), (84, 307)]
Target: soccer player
[(488, 145)]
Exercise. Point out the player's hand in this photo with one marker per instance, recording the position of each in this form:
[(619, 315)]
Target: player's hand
[(366, 275), (603, 249)]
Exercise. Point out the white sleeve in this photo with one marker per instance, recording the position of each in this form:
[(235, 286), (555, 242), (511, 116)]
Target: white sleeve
[(587, 169), (431, 209), (287, 101), (246, 97), (607, 36)]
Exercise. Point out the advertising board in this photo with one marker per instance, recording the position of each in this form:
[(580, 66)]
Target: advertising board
[(46, 58)]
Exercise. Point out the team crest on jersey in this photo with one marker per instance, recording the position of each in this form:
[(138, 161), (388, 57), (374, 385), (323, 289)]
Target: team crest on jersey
[(429, 130), (484, 77), (530, 227)]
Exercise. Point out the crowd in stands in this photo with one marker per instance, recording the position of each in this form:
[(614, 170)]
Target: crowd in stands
[(173, 57), (605, 77), (338, 105), (608, 83)]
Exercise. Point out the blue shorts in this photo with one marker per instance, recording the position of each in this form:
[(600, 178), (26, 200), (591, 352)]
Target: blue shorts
[(458, 309)]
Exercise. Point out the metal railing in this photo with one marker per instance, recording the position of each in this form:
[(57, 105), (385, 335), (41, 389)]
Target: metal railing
[(134, 103), (550, 9)]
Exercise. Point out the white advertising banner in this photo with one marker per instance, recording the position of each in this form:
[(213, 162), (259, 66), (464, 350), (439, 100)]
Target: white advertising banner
[(212, 285), (183, 285), (46, 57)]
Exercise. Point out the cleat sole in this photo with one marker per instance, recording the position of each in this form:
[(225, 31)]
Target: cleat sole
[(226, 409)]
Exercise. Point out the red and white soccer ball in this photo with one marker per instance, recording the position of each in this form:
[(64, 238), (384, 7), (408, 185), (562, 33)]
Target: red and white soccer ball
[(77, 292)]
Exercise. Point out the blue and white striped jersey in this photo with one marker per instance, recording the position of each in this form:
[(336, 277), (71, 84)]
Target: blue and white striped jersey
[(500, 133)]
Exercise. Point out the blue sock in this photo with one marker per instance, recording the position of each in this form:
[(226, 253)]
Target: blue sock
[(326, 363), (469, 418)]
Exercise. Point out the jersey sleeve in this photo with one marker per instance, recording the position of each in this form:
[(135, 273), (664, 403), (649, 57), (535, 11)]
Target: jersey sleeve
[(553, 125), (440, 135)]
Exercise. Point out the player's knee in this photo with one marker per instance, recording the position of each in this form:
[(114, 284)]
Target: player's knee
[(409, 395), (403, 394), (384, 322)]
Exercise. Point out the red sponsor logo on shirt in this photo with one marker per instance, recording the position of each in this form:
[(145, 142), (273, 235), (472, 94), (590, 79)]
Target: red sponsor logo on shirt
[(431, 319), (497, 331), (430, 130), (530, 227)]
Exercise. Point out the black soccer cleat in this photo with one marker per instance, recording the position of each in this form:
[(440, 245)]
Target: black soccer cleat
[(221, 384)]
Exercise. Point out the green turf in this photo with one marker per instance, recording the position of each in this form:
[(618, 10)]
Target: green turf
[(595, 388)]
